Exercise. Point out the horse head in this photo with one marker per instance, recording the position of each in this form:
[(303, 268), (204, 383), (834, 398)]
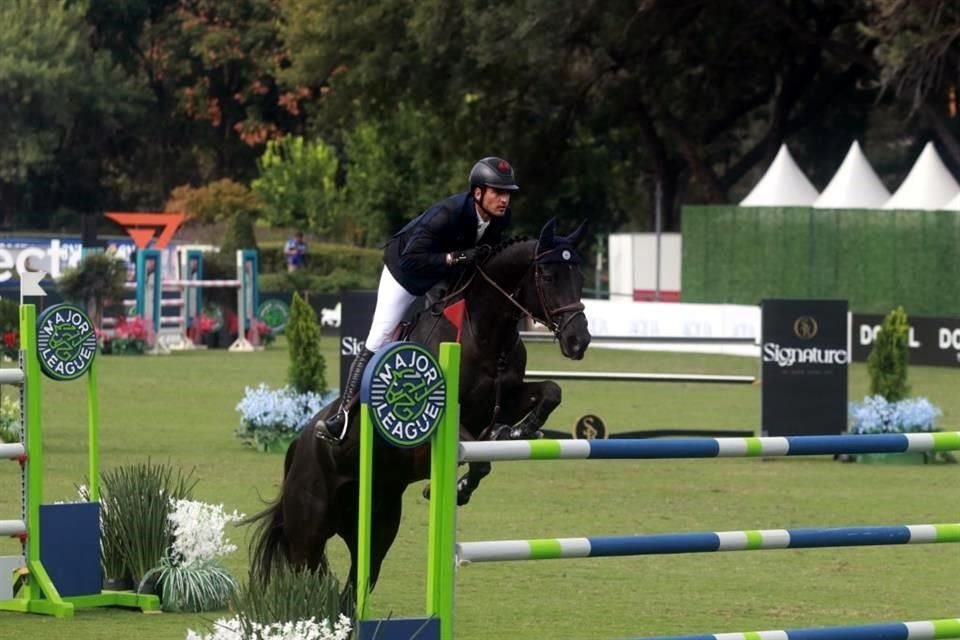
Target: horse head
[(557, 285)]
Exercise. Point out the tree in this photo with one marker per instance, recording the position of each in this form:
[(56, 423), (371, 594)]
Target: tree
[(887, 362), (396, 167), (64, 105), (97, 280), (918, 58), (297, 183), (307, 365)]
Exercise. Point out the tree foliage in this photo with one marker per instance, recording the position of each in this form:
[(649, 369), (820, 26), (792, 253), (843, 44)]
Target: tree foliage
[(887, 362), (297, 183), (600, 105), (307, 364)]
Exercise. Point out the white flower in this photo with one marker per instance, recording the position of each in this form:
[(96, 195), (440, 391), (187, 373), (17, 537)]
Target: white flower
[(233, 629), (281, 409), (876, 415), (198, 532)]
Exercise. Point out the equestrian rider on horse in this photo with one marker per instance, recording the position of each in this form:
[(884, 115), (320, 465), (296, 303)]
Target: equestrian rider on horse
[(440, 240)]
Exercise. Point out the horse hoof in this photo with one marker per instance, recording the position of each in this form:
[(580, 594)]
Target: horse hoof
[(463, 498), (426, 492)]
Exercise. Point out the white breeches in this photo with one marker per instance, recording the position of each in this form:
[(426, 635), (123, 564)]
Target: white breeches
[(392, 303)]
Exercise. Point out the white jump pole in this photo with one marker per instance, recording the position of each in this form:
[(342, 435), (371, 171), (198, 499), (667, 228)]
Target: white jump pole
[(245, 311)]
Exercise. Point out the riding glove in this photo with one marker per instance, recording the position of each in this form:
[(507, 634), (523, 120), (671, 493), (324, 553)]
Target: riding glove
[(465, 257)]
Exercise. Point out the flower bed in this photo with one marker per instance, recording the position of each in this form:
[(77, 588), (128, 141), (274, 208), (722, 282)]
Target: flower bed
[(130, 336), (877, 415), (272, 418)]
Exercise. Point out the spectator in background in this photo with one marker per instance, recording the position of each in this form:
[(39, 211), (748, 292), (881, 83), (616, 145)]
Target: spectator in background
[(296, 252)]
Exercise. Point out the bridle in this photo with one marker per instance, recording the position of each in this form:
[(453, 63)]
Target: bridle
[(570, 311)]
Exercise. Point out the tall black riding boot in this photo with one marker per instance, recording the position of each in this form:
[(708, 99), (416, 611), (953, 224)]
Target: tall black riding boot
[(334, 428)]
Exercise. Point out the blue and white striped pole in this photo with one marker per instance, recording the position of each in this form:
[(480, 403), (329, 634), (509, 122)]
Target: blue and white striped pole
[(672, 543), (918, 630), (649, 448)]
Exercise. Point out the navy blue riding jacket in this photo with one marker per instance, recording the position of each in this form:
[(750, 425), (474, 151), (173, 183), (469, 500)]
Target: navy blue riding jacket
[(416, 255)]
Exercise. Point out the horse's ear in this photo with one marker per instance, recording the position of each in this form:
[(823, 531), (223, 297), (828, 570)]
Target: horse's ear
[(578, 234), (546, 234)]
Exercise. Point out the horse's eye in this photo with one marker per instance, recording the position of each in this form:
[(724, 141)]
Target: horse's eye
[(548, 277)]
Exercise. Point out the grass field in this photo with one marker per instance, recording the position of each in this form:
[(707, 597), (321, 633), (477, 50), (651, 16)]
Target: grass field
[(180, 409)]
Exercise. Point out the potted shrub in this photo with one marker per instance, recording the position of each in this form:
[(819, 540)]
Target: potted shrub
[(271, 418), (888, 409)]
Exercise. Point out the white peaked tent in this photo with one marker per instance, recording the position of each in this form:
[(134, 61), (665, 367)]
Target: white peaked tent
[(953, 205), (929, 185), (855, 185), (783, 185)]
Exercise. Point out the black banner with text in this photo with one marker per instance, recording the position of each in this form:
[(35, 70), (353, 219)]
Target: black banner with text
[(804, 366), (356, 313), (933, 341)]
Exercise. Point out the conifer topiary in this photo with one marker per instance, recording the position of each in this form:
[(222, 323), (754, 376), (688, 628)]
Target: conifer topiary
[(887, 363), (307, 365)]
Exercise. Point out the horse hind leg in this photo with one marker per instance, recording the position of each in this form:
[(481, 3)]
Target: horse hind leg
[(387, 509), (309, 511)]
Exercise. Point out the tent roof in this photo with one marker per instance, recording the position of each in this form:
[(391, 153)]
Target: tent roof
[(783, 185), (953, 205), (929, 185), (855, 185)]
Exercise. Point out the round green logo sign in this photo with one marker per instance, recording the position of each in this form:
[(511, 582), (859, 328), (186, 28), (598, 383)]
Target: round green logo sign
[(274, 313), (405, 390), (66, 342)]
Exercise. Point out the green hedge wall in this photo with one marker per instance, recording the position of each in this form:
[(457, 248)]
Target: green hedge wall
[(323, 259), (876, 259)]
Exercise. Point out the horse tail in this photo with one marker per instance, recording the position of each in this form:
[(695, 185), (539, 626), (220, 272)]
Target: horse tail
[(269, 543)]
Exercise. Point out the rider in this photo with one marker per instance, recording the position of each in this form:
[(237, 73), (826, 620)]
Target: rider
[(443, 238)]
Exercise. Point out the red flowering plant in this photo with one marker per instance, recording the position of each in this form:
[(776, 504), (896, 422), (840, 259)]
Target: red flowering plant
[(131, 335), (9, 329), (264, 335), (202, 325)]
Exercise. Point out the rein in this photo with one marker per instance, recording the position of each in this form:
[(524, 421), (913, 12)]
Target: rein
[(549, 322)]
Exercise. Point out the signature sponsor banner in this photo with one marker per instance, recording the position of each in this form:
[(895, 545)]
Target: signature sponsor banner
[(804, 360)]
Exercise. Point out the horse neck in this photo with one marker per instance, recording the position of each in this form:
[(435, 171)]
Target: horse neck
[(493, 317)]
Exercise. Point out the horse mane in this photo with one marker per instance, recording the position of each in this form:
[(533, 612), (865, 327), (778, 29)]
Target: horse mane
[(506, 243)]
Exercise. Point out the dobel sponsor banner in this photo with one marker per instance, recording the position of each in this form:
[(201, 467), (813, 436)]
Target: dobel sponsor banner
[(804, 360), (932, 341), (356, 313)]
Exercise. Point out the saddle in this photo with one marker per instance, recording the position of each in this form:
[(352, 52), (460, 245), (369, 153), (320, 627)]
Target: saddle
[(434, 304)]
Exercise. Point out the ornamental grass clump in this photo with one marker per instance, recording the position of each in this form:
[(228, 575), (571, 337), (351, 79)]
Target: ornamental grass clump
[(190, 576), (296, 604), (135, 532)]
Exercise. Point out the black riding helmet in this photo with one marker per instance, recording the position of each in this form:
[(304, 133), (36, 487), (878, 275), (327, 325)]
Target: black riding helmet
[(493, 172)]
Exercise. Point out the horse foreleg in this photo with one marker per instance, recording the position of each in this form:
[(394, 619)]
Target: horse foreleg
[(476, 471), (535, 402)]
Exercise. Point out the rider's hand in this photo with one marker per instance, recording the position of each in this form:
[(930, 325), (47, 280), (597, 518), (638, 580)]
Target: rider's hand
[(459, 258)]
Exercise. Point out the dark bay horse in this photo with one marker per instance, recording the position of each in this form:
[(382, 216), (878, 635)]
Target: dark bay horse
[(541, 279)]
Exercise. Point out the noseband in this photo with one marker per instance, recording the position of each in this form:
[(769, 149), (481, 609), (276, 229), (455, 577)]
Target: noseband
[(570, 311)]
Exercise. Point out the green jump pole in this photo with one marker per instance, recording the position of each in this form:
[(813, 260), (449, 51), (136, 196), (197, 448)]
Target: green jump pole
[(366, 511), (41, 595), (93, 435), (443, 497)]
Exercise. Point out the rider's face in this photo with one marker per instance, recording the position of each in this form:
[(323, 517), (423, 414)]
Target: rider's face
[(492, 201)]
